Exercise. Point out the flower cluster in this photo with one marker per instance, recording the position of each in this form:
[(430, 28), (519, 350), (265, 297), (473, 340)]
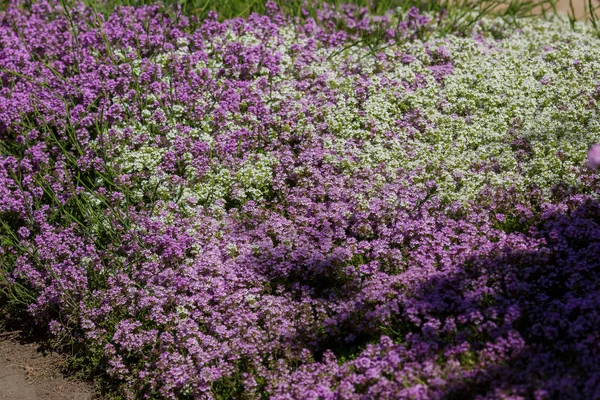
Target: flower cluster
[(267, 207)]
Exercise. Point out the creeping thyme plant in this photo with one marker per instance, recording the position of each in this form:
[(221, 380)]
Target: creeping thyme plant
[(268, 207)]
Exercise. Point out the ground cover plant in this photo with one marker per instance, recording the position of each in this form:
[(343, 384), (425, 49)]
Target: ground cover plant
[(334, 204)]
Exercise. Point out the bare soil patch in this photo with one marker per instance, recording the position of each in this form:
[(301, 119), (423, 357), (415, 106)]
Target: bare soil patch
[(579, 7), (27, 373)]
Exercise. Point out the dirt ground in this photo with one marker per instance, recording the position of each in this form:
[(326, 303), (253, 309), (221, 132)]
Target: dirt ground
[(580, 7), (28, 374)]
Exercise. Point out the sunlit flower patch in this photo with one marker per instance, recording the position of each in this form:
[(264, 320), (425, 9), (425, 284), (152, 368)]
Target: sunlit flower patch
[(291, 209)]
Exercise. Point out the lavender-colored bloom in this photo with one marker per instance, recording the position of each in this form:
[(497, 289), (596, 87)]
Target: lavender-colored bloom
[(593, 156)]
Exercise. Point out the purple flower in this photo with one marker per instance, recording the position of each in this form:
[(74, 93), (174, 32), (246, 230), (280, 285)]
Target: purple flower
[(23, 233), (593, 156)]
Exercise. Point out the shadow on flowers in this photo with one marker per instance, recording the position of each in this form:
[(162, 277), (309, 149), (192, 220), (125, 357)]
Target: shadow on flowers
[(522, 321)]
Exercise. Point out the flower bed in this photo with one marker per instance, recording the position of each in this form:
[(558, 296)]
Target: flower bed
[(340, 207)]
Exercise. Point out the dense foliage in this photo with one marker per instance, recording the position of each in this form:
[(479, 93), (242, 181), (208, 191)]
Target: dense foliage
[(290, 208)]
